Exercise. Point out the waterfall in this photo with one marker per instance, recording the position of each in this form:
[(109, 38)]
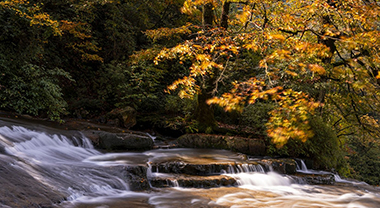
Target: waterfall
[(301, 167), (244, 168), (39, 146), (262, 179), (58, 162)]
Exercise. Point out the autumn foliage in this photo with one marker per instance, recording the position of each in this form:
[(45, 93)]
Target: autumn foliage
[(316, 58), (301, 74)]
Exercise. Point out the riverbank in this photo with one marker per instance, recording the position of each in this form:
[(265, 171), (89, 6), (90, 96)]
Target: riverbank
[(47, 167), (142, 140)]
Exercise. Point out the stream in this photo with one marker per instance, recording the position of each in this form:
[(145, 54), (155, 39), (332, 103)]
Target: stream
[(42, 166)]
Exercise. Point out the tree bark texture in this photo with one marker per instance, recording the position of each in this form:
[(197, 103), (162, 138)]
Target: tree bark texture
[(225, 13), (204, 113), (208, 15)]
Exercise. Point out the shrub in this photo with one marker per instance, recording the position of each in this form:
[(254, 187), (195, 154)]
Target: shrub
[(324, 148)]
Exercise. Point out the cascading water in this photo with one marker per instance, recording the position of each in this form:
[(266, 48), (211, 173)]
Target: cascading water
[(301, 166), (56, 162), (68, 165), (244, 168)]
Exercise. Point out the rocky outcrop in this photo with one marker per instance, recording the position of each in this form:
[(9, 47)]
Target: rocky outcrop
[(239, 144), (119, 141)]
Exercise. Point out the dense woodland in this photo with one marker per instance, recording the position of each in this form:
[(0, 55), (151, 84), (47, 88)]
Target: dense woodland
[(303, 75)]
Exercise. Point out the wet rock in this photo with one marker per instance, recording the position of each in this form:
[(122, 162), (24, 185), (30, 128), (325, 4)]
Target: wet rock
[(203, 169), (191, 169), (136, 176), (239, 144), (119, 141), (282, 166), (187, 181), (122, 117), (316, 178), (20, 189)]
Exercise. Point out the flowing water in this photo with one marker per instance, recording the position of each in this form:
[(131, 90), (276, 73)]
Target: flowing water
[(47, 167)]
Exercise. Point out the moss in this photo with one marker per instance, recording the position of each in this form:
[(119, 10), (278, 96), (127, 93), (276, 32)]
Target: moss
[(324, 148)]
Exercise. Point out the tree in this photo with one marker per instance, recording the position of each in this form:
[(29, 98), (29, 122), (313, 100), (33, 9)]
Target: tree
[(317, 58), (27, 83)]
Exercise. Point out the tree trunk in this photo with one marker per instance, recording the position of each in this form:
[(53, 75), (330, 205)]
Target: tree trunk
[(329, 42), (207, 15), (225, 13), (204, 113)]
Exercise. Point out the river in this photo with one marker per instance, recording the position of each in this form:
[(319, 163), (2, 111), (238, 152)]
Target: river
[(43, 166)]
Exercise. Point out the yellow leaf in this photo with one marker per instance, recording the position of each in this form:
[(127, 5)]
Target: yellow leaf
[(291, 73), (276, 37), (317, 69)]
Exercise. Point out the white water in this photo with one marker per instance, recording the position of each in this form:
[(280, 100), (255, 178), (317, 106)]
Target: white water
[(93, 179), (303, 166), (244, 168), (275, 190), (56, 161), (304, 169)]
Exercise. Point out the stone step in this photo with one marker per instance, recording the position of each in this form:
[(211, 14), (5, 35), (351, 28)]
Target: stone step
[(281, 166), (322, 178), (179, 167), (190, 181)]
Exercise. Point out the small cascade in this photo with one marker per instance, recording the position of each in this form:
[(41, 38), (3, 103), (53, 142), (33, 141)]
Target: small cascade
[(255, 175), (339, 179), (262, 179), (310, 176), (244, 168), (36, 146), (152, 137), (174, 183), (301, 166)]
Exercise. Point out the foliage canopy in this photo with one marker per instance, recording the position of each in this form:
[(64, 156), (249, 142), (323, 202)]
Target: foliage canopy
[(308, 70), (317, 57)]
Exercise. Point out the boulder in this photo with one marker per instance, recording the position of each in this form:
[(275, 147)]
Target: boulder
[(122, 117), (249, 146), (119, 141)]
